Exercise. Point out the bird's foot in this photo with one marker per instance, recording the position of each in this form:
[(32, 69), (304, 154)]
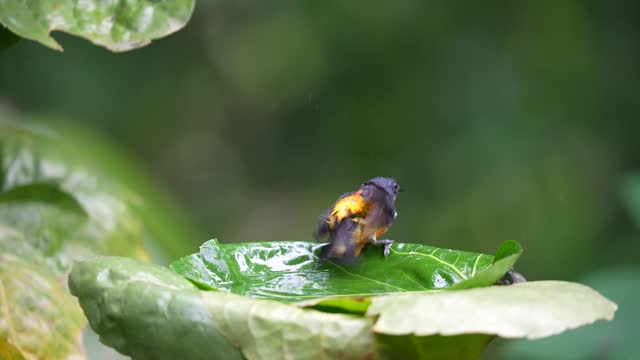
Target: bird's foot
[(510, 278), (387, 245)]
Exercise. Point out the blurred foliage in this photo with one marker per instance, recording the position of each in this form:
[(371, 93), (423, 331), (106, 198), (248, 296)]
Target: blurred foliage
[(167, 230), (502, 121), (53, 210), (63, 198), (631, 196), (7, 38), (164, 227)]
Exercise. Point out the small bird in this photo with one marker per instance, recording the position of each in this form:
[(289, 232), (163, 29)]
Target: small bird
[(357, 218)]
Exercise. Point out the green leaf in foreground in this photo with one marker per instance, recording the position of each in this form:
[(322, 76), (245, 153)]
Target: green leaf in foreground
[(615, 340), (266, 329), (116, 25), (292, 271), (149, 312), (525, 310), (146, 311)]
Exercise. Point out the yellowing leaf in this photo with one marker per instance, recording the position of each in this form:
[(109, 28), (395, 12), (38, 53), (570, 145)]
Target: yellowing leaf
[(39, 317)]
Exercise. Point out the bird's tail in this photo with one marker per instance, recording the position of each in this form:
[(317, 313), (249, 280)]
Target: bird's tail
[(342, 243)]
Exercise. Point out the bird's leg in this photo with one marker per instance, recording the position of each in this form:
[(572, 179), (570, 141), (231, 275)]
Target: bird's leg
[(386, 243)]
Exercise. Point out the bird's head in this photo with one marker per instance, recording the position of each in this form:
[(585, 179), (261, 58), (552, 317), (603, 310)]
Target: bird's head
[(387, 184)]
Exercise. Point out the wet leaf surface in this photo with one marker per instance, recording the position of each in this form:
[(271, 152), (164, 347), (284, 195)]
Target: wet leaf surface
[(293, 271)]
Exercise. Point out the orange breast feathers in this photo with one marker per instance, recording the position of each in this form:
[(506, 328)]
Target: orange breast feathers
[(352, 206)]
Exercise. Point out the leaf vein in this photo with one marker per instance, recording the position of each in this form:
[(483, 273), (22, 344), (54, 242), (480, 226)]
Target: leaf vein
[(475, 265), (451, 266), (366, 278)]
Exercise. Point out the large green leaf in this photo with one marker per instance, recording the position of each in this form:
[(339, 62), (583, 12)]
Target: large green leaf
[(292, 271), (527, 310), (116, 25), (265, 329), (53, 209), (613, 340), (148, 312)]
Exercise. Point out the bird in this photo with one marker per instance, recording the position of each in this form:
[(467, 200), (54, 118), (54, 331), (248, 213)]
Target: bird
[(358, 218)]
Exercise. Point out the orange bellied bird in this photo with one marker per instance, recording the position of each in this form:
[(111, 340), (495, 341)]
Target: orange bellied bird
[(358, 218)]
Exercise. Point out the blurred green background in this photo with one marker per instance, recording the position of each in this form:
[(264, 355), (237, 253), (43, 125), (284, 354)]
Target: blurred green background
[(501, 120)]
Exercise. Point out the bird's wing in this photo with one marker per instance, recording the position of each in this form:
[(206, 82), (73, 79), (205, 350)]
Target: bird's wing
[(351, 205), (346, 221), (322, 230)]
